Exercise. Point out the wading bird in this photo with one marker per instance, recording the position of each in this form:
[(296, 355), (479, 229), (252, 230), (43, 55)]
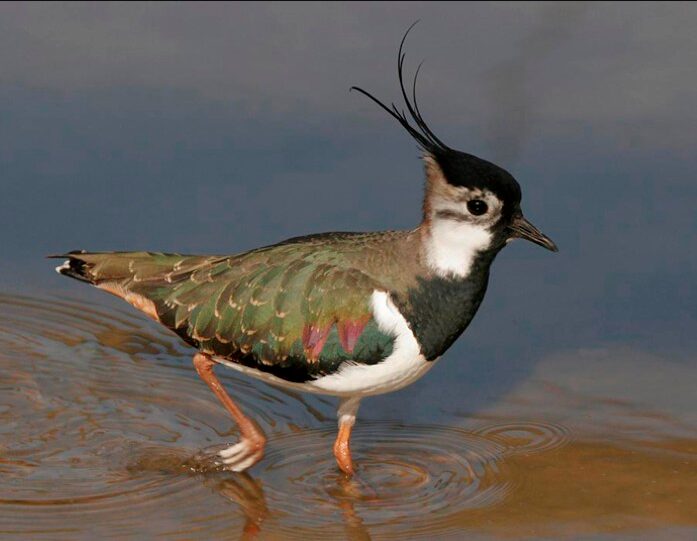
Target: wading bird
[(344, 314)]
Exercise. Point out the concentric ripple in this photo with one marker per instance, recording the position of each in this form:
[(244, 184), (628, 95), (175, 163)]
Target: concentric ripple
[(527, 437), (92, 401), (409, 477)]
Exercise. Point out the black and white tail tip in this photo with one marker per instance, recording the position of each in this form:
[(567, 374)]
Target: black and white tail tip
[(73, 267)]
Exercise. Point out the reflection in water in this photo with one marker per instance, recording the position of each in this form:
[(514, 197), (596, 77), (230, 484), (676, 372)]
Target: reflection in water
[(101, 416), (248, 494)]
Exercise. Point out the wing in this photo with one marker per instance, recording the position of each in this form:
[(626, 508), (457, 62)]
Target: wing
[(296, 310)]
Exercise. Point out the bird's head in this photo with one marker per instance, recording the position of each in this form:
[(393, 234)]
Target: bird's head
[(468, 199), (474, 197)]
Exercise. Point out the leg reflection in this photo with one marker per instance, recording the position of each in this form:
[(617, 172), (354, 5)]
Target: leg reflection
[(248, 493), (349, 492)]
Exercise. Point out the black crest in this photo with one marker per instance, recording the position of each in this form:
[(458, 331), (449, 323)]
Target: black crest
[(423, 135), (459, 168)]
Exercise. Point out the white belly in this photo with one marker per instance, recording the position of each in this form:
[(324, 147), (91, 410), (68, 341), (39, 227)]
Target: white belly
[(405, 365)]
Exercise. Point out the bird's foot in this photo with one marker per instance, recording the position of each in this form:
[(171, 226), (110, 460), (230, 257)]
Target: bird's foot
[(241, 455)]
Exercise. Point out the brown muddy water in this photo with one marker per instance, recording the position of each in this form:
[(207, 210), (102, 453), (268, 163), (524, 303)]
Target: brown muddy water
[(101, 416)]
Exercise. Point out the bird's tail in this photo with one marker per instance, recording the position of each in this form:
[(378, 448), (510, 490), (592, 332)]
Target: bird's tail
[(97, 267), (74, 266), (140, 278), (143, 267)]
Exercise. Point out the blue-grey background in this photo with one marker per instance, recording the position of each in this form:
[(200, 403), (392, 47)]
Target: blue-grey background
[(208, 128)]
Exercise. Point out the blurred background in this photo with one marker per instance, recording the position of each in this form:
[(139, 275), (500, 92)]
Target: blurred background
[(216, 128)]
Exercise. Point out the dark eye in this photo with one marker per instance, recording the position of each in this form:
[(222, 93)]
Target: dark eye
[(477, 207)]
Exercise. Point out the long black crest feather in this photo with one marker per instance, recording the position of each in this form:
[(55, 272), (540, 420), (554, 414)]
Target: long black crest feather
[(423, 135)]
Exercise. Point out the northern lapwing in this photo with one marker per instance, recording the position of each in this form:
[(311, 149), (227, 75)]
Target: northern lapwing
[(344, 314)]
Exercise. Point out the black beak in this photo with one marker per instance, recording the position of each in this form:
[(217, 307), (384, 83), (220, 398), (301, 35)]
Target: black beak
[(522, 229)]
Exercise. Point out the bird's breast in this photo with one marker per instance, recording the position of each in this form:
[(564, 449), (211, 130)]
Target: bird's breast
[(438, 309)]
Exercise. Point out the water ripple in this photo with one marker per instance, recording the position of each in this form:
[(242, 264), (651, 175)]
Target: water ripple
[(101, 413), (426, 471), (527, 437), (88, 395)]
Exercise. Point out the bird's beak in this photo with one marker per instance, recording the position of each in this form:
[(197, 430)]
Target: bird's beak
[(521, 228)]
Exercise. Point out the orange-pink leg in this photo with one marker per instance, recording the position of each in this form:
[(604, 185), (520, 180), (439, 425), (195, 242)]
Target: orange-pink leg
[(250, 449), (347, 418)]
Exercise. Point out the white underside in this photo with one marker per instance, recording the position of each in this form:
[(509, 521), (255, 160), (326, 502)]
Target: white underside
[(405, 365)]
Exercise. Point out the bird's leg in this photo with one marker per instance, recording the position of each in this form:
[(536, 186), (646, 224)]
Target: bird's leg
[(250, 448), (347, 418)]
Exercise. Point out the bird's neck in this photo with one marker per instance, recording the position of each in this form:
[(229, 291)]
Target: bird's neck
[(445, 295)]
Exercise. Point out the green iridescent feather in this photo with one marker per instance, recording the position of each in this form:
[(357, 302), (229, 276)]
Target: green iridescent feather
[(298, 309)]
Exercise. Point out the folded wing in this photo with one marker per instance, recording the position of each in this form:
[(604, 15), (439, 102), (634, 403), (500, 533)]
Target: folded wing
[(298, 311)]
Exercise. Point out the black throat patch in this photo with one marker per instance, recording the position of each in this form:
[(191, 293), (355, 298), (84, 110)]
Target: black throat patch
[(439, 309)]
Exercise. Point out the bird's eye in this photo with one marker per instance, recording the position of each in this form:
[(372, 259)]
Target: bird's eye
[(477, 207)]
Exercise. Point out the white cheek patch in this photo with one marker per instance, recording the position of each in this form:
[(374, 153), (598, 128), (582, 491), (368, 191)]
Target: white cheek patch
[(455, 235), (452, 246)]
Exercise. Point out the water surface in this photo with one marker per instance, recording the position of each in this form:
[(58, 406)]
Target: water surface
[(102, 418)]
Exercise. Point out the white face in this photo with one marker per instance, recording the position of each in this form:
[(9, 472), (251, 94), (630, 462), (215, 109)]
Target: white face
[(461, 221)]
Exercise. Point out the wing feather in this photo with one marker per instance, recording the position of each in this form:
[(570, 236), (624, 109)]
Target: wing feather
[(297, 309)]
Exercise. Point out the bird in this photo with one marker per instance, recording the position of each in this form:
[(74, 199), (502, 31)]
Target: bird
[(346, 314)]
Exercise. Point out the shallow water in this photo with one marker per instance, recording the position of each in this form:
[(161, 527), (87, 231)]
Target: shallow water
[(102, 416)]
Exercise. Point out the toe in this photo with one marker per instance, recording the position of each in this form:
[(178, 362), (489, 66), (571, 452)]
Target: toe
[(234, 450), (245, 463), (241, 456)]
